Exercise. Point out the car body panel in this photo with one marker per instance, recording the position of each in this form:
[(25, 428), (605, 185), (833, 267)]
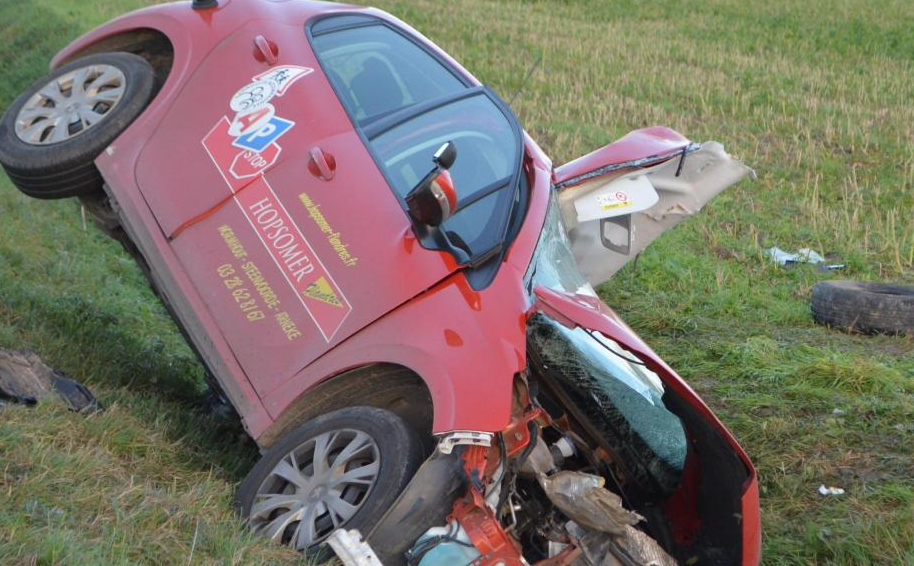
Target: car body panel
[(182, 121), (446, 335)]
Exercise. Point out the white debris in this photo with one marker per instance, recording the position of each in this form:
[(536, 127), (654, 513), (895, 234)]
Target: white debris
[(460, 437), (804, 255), (826, 491), (837, 411), (351, 550)]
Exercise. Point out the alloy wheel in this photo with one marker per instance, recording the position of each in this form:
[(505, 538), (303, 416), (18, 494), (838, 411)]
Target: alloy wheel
[(70, 104), (316, 488)]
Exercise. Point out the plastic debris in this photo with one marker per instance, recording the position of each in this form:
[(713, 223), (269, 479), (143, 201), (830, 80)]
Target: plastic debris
[(804, 255), (837, 411), (600, 522), (826, 491), (582, 497), (350, 548)]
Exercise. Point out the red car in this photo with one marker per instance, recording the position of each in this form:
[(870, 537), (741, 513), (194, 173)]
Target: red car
[(393, 286)]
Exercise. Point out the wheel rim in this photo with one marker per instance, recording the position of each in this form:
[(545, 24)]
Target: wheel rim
[(71, 104), (316, 488)]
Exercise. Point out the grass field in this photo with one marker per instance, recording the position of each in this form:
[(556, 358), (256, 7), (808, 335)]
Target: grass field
[(816, 95)]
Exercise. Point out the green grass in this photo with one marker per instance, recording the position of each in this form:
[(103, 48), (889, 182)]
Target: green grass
[(816, 95)]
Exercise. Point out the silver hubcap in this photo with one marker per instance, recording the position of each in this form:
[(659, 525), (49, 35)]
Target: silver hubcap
[(316, 488), (70, 104)]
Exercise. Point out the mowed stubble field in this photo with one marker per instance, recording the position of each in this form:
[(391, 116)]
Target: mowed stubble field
[(818, 96)]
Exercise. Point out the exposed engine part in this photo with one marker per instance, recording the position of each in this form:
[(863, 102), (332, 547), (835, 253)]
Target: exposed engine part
[(350, 548), (541, 460), (525, 499), (561, 449)]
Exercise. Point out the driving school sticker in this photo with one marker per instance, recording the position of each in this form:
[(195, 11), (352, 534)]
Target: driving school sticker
[(615, 199), (294, 256), (245, 145), (242, 148)]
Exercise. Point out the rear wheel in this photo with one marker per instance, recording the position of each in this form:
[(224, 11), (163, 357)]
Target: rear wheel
[(345, 468), (51, 135)]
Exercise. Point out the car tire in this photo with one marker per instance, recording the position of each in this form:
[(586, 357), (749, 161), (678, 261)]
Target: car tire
[(114, 89), (297, 506), (864, 307)]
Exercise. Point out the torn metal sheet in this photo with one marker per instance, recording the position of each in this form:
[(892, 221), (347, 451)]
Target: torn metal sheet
[(25, 379), (633, 549)]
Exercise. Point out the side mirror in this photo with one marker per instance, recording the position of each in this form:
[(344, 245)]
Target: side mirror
[(434, 199)]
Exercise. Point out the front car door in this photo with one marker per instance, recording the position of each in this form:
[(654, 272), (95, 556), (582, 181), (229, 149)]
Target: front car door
[(277, 211)]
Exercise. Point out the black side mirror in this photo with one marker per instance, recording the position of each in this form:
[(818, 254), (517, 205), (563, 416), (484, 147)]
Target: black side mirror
[(434, 199)]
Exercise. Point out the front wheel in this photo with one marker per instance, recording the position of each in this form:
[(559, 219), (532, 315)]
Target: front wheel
[(344, 468), (51, 135)]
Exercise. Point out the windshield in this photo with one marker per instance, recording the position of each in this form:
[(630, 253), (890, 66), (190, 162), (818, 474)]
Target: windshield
[(553, 265), (406, 102), (625, 396)]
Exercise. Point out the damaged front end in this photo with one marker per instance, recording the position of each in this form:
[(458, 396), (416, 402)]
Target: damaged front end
[(609, 458), (582, 476)]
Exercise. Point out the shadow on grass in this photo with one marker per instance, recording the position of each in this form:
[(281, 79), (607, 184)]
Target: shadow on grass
[(90, 340)]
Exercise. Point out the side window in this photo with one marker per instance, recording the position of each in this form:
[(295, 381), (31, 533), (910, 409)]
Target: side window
[(378, 71)]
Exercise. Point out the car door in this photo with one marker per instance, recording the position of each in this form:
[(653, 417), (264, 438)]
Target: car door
[(277, 211)]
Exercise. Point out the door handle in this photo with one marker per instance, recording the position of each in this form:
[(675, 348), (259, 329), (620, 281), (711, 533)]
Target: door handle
[(265, 50), (322, 165)]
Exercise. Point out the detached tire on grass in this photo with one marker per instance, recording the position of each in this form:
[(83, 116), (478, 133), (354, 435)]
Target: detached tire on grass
[(52, 133), (864, 307)]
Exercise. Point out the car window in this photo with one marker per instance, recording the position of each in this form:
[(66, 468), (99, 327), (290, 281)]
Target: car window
[(377, 71), (406, 102), (486, 155)]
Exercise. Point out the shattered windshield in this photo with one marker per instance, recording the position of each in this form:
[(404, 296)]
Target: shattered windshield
[(553, 265), (615, 394), (612, 388)]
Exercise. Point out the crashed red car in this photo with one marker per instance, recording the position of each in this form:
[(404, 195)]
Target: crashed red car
[(392, 285)]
